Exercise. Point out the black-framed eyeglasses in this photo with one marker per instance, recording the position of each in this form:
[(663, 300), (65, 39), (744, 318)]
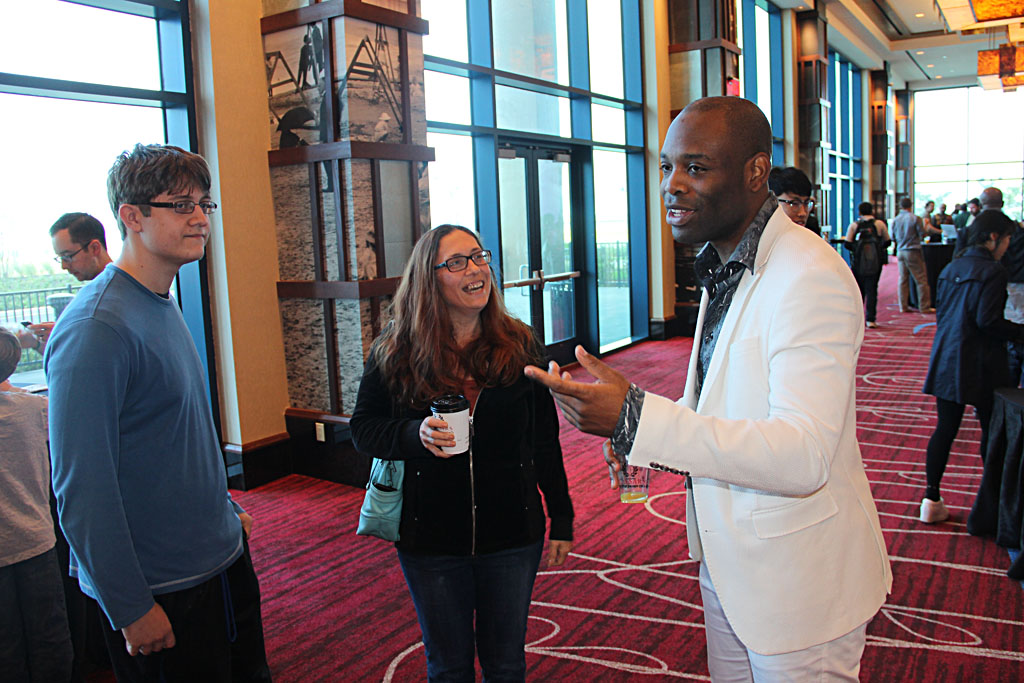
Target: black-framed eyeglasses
[(797, 203), (459, 263), (67, 258), (185, 206)]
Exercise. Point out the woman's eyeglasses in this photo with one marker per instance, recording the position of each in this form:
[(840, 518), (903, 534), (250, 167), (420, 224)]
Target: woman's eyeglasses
[(459, 263)]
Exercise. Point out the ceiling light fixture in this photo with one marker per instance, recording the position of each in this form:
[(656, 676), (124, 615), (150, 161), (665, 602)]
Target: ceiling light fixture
[(960, 14), (995, 66)]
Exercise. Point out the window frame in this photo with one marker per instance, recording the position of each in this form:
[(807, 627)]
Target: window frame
[(486, 134), (176, 99)]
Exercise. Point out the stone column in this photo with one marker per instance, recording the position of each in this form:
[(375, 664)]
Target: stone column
[(883, 144), (703, 59), (349, 181), (814, 106), (904, 144), (703, 54)]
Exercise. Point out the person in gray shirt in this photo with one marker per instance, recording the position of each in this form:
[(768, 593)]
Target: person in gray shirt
[(907, 231), (35, 643)]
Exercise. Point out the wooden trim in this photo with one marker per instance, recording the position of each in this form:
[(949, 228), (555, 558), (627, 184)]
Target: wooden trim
[(342, 8), (317, 416), (316, 224), (341, 221), (337, 289), (331, 342), (377, 199), (705, 44), (307, 154), (256, 444), (404, 84), (391, 152), (327, 34)]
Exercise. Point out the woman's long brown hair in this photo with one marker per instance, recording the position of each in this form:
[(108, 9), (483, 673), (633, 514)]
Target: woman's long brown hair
[(416, 352)]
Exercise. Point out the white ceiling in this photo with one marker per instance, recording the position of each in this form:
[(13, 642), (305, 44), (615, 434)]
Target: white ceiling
[(921, 52)]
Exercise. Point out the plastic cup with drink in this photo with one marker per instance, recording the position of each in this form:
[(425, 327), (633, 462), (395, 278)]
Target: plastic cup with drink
[(634, 483)]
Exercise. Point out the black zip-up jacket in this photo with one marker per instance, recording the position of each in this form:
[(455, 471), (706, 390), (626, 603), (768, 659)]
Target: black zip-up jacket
[(968, 361), (514, 450)]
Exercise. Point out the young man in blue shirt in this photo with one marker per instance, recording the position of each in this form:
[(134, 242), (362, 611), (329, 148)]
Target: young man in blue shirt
[(137, 469)]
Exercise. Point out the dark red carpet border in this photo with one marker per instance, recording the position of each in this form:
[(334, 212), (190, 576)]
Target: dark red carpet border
[(626, 606)]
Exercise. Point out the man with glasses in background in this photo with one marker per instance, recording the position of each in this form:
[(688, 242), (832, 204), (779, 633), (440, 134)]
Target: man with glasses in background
[(793, 189), (80, 245), (137, 467)]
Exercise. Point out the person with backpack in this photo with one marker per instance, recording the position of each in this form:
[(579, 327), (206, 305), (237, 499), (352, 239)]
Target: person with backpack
[(867, 239)]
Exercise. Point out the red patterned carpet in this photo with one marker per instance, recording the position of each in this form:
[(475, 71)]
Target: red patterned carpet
[(626, 606)]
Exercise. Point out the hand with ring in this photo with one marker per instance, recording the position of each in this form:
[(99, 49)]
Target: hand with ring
[(435, 435)]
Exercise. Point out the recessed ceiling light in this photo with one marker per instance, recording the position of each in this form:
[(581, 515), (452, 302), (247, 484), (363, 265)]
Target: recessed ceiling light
[(938, 77), (920, 52), (919, 15), (931, 66)]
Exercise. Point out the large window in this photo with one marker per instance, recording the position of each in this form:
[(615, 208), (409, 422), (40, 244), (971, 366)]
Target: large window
[(506, 78), (760, 35), (967, 139), (844, 159), (78, 85)]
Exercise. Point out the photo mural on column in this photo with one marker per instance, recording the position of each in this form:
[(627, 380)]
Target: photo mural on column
[(348, 160)]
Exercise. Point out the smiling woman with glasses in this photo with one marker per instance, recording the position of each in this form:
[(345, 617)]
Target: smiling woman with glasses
[(472, 528)]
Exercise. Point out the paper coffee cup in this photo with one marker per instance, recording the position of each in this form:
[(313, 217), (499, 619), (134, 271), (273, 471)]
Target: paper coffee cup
[(454, 409)]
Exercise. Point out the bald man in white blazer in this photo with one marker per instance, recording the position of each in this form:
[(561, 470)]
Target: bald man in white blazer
[(779, 511)]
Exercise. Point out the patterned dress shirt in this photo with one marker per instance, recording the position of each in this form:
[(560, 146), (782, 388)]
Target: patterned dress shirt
[(721, 281)]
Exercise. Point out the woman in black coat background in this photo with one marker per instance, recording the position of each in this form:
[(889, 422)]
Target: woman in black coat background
[(969, 359)]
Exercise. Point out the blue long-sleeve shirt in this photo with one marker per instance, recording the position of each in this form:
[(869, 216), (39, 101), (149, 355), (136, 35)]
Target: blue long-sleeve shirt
[(137, 469)]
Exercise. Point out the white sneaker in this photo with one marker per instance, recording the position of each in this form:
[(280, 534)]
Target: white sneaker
[(933, 511)]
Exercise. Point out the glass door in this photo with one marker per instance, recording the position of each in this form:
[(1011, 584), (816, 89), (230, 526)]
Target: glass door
[(538, 256)]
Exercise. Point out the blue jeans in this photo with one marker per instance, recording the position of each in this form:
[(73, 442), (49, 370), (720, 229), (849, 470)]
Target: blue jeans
[(447, 591)]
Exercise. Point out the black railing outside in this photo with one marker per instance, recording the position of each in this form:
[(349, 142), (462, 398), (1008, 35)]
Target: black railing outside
[(34, 305), (613, 264)]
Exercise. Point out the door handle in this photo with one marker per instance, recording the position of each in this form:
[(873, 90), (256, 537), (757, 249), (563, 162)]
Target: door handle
[(559, 277), (535, 281)]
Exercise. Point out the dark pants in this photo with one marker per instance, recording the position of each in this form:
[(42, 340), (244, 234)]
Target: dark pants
[(205, 618), (448, 590), (85, 620), (948, 424), (1015, 354), (869, 293), (35, 644)]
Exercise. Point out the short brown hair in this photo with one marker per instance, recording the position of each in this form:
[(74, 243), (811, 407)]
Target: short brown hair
[(149, 170), (82, 228), (10, 353)]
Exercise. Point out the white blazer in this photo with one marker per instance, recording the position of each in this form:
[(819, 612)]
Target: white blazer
[(780, 509)]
